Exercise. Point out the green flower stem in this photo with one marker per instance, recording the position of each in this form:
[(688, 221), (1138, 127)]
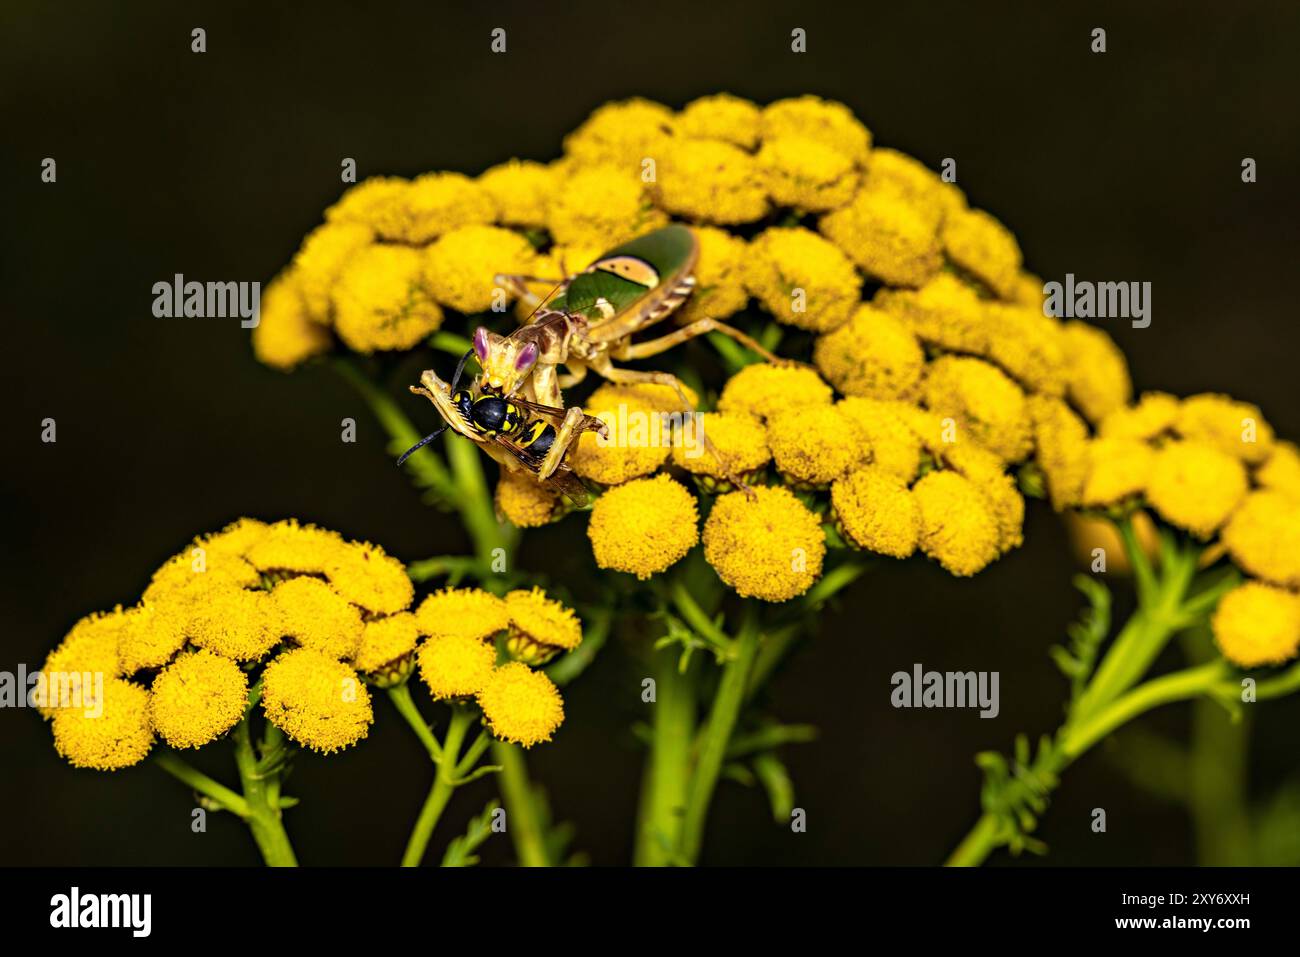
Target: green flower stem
[(524, 820), (425, 465), (400, 695), (444, 783), (477, 510), (262, 799), (717, 736), (664, 783), (700, 623), (1147, 632), (977, 845), (229, 800)]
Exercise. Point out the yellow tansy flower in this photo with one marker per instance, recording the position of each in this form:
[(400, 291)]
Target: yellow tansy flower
[(152, 633), (237, 537), (623, 133), (369, 578), (437, 203), (876, 511), (1195, 486), (824, 121), (1257, 625), (1028, 345), (521, 705), (289, 546), (643, 527), (882, 233), (1281, 471), (197, 698), (317, 617), (320, 259), (1117, 468), (801, 279), (1152, 416), (710, 181), (316, 700), (521, 190), (984, 403), (379, 203), (382, 300), (882, 431), (1096, 371), (945, 312), (766, 545), (112, 732), (983, 247), (455, 666), (540, 626), (739, 438), (638, 441), (720, 287), (1263, 537), (89, 648), (874, 355), (285, 336), (894, 172), (461, 265), (1237, 428), (812, 446), (1061, 438), (601, 206), (764, 389), (526, 502), (958, 528), (384, 655), (721, 117), (235, 622), (469, 612), (806, 174)]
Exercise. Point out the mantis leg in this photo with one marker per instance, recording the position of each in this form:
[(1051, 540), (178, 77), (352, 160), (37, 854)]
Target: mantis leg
[(517, 285), (652, 347), (634, 376), (575, 423)]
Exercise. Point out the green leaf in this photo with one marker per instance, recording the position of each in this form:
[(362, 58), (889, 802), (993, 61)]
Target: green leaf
[(774, 777), (460, 852)]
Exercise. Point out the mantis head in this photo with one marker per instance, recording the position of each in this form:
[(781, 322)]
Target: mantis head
[(506, 361)]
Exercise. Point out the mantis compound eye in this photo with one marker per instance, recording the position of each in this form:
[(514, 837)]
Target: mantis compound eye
[(527, 356), (481, 343)]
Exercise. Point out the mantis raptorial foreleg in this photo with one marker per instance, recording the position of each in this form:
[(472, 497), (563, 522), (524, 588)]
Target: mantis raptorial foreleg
[(634, 376), (653, 347)]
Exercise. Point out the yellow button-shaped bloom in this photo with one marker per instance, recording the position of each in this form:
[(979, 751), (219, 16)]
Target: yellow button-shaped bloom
[(1257, 624), (1195, 486), (110, 731), (316, 700), (764, 544), (877, 511), (874, 355), (643, 527), (455, 666), (197, 698), (521, 705)]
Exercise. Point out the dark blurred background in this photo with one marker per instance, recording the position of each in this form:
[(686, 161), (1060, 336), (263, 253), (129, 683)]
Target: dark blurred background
[(1117, 166)]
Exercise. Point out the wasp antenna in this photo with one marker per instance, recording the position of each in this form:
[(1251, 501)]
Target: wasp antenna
[(455, 380), (419, 445)]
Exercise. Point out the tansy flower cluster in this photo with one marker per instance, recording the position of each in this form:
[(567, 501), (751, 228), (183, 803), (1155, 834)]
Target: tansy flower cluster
[(1207, 464), (293, 610), (299, 620), (469, 630), (936, 381)]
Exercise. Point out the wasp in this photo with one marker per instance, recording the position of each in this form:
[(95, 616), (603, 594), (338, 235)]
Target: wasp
[(519, 434), (587, 322)]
